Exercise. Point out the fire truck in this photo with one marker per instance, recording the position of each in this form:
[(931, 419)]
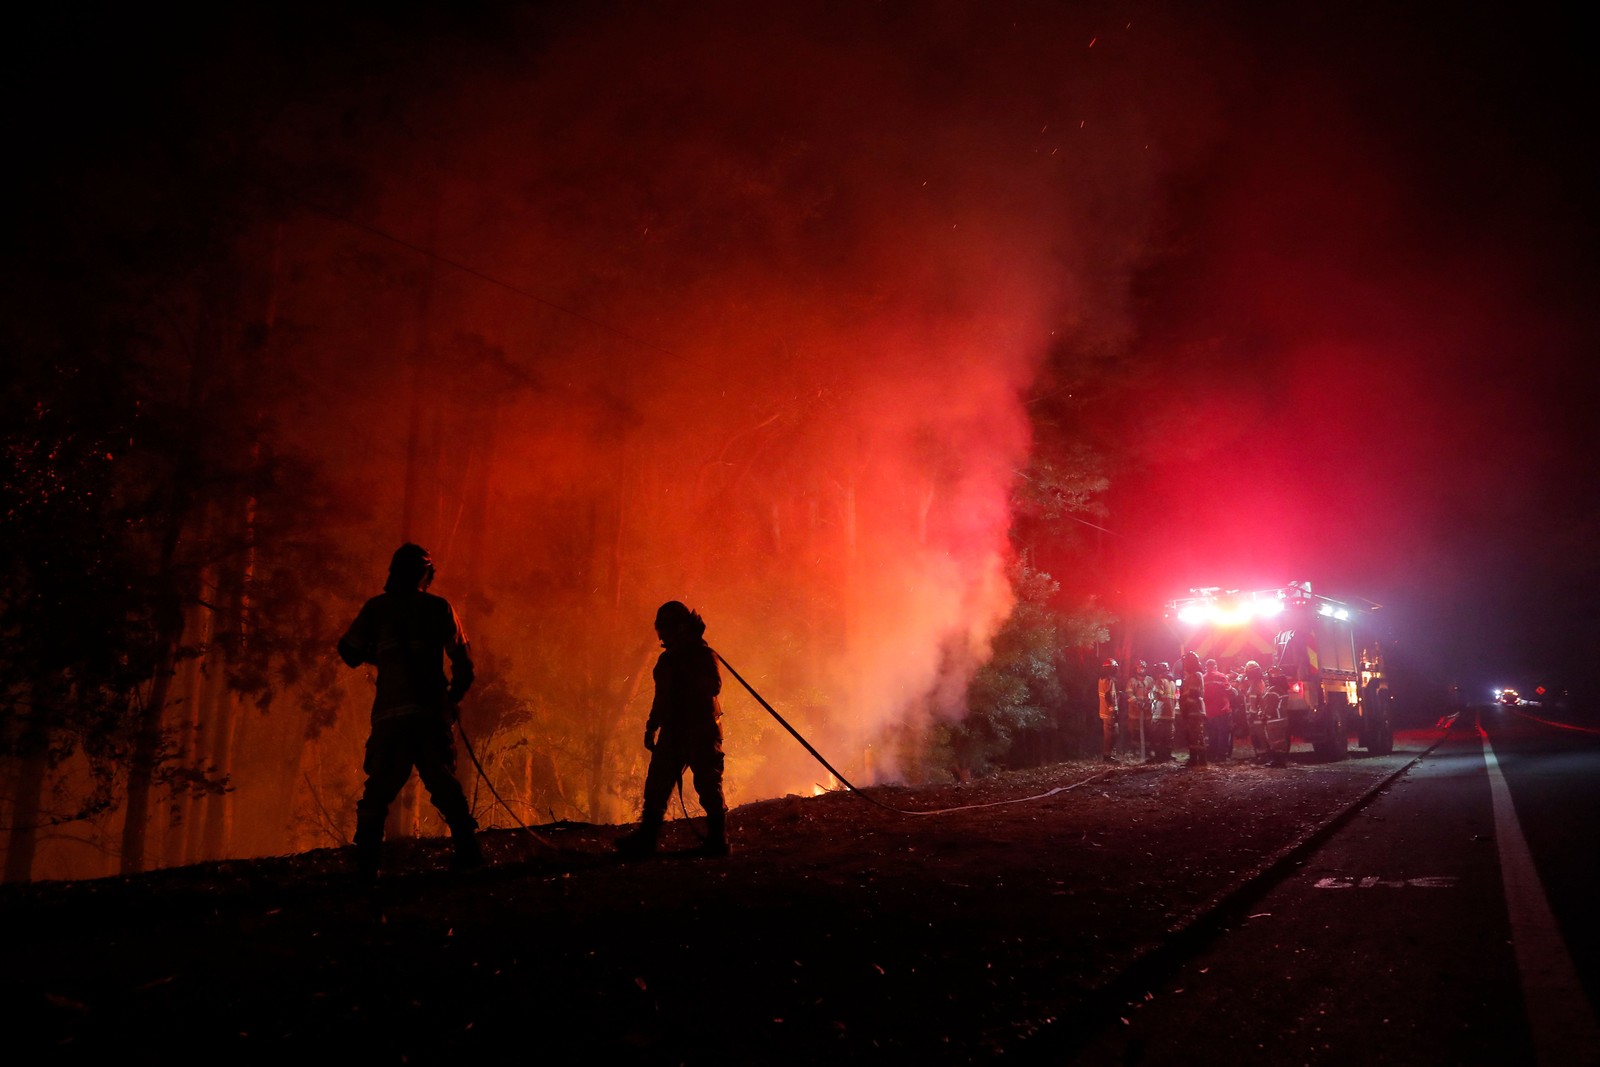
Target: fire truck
[(1336, 686)]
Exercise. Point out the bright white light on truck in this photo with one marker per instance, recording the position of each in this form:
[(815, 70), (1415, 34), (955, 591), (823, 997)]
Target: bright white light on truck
[(1228, 613)]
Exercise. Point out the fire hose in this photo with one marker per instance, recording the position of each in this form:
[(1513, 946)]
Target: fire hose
[(467, 744), (819, 757), (770, 710)]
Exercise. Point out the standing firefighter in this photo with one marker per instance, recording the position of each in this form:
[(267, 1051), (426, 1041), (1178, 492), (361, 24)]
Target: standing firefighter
[(1252, 688), (1275, 717), (1219, 714), (1192, 710), (407, 632), (1163, 706), (689, 720), (1109, 694), (1136, 711)]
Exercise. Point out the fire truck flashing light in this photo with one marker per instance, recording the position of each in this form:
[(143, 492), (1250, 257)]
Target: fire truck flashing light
[(1228, 613), (1215, 608)]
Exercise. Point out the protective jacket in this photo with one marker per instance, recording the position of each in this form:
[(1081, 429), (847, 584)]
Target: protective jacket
[(1108, 698), (1165, 698), (1191, 696), (687, 685), (1216, 694), (1138, 689), (407, 636)]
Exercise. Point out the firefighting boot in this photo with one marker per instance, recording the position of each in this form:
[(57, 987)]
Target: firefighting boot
[(642, 841), (1164, 741), (369, 847), (468, 852), (716, 843)]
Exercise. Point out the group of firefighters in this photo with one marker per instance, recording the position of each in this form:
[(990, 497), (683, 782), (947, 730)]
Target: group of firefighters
[(1203, 707), (407, 633)]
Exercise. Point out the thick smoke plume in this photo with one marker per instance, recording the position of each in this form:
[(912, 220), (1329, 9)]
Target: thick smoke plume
[(606, 305), (750, 307)]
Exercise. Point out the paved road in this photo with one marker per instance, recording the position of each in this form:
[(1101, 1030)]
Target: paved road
[(1394, 941)]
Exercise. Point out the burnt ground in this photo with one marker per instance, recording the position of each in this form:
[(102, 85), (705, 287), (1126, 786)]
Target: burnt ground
[(836, 930)]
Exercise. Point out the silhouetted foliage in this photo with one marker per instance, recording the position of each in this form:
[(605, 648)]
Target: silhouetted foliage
[(1015, 689)]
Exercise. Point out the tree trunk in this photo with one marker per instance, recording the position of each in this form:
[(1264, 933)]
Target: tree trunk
[(219, 806), (33, 765), (142, 763), (211, 716), (241, 605), (23, 839), (169, 620), (184, 805)]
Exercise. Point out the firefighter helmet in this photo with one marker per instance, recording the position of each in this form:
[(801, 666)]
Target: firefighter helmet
[(1108, 668), (410, 568), (1163, 669), (1191, 661), (675, 620)]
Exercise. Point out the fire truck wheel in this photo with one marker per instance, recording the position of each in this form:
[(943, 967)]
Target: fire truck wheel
[(1335, 744)]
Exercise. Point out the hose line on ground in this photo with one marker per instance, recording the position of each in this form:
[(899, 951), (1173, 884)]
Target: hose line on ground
[(868, 797), (462, 730)]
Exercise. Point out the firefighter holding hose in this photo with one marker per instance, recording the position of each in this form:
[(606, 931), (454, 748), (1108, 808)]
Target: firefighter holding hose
[(684, 731), (1136, 711)]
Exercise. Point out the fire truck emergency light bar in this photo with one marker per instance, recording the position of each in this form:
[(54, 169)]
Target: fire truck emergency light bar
[(1213, 607)]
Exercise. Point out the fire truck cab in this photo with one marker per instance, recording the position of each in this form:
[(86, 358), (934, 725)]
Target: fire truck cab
[(1333, 689)]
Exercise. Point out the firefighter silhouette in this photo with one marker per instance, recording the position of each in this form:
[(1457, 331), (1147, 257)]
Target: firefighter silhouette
[(407, 633), (684, 731)]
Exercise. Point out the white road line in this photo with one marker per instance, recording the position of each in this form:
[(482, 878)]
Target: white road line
[(1563, 1023)]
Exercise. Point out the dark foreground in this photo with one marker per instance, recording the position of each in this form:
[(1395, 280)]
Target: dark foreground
[(837, 930)]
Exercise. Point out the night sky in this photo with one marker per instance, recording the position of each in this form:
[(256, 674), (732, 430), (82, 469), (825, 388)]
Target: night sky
[(1381, 302), (1330, 266)]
